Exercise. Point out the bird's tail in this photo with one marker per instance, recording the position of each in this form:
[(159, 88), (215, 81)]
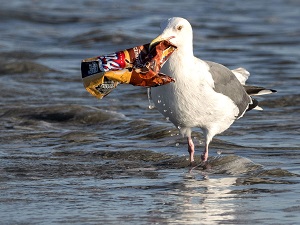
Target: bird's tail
[(254, 90)]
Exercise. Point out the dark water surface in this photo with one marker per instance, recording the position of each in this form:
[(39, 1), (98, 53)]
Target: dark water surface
[(68, 158)]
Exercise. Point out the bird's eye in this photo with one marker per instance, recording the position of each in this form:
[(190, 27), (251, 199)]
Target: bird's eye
[(179, 27)]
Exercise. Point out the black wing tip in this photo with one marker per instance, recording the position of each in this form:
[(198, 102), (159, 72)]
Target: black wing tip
[(253, 105)]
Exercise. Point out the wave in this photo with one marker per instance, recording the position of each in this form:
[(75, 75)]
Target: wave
[(61, 114), (23, 67), (283, 101)]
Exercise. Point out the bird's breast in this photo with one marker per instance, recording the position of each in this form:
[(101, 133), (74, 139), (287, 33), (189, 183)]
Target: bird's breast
[(191, 100), (193, 104)]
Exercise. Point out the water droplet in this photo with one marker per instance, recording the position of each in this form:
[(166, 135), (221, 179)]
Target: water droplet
[(167, 118), (177, 144), (165, 110), (179, 127), (219, 152), (151, 103), (151, 106), (158, 101)]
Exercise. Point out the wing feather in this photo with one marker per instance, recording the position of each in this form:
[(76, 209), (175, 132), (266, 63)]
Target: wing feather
[(226, 83)]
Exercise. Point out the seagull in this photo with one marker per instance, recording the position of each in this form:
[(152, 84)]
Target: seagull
[(205, 94)]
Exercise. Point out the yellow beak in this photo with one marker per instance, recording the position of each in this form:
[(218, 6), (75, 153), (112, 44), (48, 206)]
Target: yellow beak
[(155, 41)]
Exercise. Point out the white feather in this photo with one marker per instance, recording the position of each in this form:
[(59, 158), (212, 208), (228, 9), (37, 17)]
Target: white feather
[(258, 108), (264, 92), (241, 74)]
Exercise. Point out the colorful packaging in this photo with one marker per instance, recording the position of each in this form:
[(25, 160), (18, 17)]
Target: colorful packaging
[(138, 66)]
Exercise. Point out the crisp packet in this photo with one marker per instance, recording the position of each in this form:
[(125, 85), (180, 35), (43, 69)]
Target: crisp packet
[(138, 66)]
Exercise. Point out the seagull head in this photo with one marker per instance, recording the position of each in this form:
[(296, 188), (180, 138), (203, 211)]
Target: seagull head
[(178, 31)]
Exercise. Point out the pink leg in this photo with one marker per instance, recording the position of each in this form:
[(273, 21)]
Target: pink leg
[(191, 149), (204, 155)]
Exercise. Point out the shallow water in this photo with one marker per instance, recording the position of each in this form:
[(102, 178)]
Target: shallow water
[(68, 158)]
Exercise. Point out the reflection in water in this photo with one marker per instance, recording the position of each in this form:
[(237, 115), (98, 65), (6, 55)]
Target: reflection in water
[(205, 201)]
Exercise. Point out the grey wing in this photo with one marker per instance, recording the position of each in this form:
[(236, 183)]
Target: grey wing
[(227, 84)]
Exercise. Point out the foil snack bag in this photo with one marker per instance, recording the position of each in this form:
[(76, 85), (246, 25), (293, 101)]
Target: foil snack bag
[(138, 66)]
